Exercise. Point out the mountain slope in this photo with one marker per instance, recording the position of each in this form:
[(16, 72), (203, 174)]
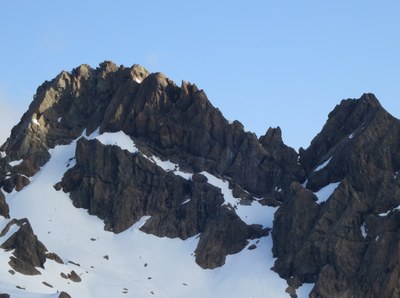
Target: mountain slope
[(132, 147), (110, 263)]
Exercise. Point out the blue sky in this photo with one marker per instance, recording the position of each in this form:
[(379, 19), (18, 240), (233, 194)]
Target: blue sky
[(265, 63)]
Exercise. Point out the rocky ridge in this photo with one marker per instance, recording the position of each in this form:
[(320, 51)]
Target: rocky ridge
[(173, 123), (339, 241), (342, 244)]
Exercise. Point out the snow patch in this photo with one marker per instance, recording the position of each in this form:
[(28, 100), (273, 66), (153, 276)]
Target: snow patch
[(137, 80), (364, 230), (351, 135), (16, 162), (223, 185), (126, 143), (35, 121), (384, 214), (169, 166), (395, 175), (119, 139), (2, 154), (59, 119), (186, 201), (323, 165), (324, 193), (255, 213)]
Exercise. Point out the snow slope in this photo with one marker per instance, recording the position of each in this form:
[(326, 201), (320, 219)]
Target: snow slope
[(132, 263)]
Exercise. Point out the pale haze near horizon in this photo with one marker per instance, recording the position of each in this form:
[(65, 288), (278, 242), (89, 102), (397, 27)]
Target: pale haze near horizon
[(263, 63)]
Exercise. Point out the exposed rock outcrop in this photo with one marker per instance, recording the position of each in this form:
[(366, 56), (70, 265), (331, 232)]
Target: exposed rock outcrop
[(337, 244), (178, 123), (121, 187), (64, 295), (4, 209), (28, 251)]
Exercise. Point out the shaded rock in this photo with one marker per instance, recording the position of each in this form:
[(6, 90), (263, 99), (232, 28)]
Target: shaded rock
[(270, 200), (74, 276), (61, 110), (64, 295), (23, 267), (246, 197), (349, 117), (224, 234), (63, 275), (53, 256), (292, 224), (20, 182), (110, 192), (73, 263), (335, 244), (28, 251), (57, 186), (4, 209), (47, 284), (121, 187), (252, 247), (178, 122)]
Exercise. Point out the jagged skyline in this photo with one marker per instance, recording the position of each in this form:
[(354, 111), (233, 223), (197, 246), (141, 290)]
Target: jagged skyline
[(265, 64)]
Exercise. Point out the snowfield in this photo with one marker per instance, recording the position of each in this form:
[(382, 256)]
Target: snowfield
[(132, 263)]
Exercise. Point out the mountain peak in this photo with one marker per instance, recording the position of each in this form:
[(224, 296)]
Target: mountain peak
[(352, 188), (369, 99), (146, 156), (348, 117)]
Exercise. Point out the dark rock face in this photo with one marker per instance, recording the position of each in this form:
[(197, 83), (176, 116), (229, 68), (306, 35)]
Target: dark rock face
[(225, 234), (178, 123), (28, 252), (53, 256), (74, 276), (64, 295), (121, 187), (339, 244), (4, 209)]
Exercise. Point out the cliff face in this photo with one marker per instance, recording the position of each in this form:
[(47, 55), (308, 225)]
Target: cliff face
[(338, 218), (336, 229)]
